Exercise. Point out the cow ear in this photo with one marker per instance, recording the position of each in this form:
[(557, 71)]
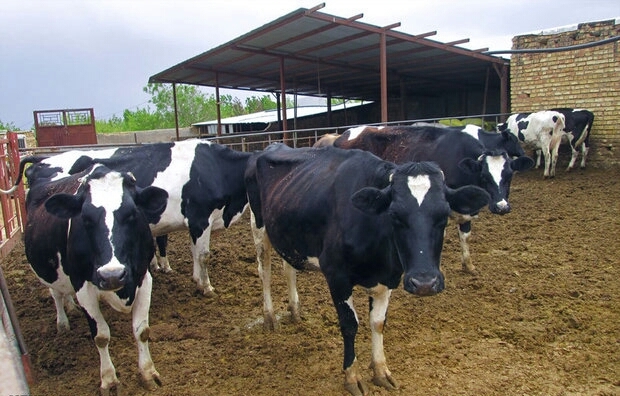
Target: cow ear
[(371, 200), (467, 199), (470, 165), (522, 164), (64, 206), (152, 201), (506, 134)]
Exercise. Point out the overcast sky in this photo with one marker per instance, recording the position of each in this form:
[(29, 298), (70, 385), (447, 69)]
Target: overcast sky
[(60, 54)]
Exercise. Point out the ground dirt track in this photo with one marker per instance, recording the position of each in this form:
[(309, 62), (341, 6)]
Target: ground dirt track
[(541, 318)]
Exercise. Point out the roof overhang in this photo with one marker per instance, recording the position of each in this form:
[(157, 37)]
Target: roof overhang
[(308, 52)]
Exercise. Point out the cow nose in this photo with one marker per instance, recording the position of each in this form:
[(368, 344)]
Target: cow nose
[(502, 207), (423, 286), (112, 278)]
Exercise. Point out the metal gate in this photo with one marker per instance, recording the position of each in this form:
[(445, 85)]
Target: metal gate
[(13, 206), (72, 127)]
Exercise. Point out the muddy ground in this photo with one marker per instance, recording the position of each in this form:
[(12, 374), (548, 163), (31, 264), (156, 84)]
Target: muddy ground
[(541, 318)]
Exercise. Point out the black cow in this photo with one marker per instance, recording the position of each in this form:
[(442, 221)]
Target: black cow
[(365, 221), (204, 181), (577, 131), (89, 235), (464, 160), (503, 140)]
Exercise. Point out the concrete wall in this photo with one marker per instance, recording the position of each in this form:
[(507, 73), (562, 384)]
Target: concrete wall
[(586, 78)]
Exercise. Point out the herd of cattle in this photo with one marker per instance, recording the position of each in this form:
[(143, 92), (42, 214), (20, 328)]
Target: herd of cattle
[(367, 208)]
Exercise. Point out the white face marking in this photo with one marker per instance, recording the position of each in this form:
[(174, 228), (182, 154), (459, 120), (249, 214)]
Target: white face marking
[(355, 132), (496, 165), (419, 186)]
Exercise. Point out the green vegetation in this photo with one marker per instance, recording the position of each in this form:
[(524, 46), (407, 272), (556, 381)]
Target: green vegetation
[(9, 126), (193, 106)]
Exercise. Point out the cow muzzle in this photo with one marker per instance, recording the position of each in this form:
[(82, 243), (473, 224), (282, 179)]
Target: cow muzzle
[(111, 277), (501, 208), (423, 286)]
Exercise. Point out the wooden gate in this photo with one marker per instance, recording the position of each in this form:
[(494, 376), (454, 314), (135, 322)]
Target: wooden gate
[(65, 127), (13, 206)]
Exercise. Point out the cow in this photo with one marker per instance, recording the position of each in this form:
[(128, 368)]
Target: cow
[(463, 159), (326, 140), (495, 141), (364, 221), (203, 179), (88, 235), (577, 132), (542, 130)]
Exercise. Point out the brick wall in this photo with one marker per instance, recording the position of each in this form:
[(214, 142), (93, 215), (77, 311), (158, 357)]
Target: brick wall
[(587, 78)]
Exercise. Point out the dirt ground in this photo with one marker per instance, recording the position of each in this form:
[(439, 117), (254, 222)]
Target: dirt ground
[(541, 318)]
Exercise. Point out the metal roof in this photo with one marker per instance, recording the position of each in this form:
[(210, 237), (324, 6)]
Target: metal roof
[(318, 54)]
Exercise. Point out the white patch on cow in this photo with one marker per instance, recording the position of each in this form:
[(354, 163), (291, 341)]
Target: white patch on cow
[(313, 261), (471, 130), (419, 186), (355, 132), (69, 157), (496, 165), (349, 302)]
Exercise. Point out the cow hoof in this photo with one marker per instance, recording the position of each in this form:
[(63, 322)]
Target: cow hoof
[(209, 293), (153, 383), (470, 270), (270, 323), (116, 388), (357, 389), (386, 382)]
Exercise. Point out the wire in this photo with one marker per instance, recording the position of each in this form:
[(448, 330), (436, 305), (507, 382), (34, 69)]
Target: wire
[(559, 49)]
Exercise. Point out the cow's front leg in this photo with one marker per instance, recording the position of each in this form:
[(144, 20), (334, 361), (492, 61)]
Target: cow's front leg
[(140, 324), (201, 255), (379, 298), (161, 263), (464, 233), (341, 292), (100, 332), (61, 300)]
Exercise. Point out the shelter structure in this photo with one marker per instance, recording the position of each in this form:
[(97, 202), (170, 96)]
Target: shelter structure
[(311, 53)]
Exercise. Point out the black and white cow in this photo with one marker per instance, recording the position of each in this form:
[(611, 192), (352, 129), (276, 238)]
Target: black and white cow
[(88, 235), (464, 160), (495, 141), (204, 181), (542, 131), (363, 221), (577, 132)]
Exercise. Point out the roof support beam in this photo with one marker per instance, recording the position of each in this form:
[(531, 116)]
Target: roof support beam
[(383, 67)]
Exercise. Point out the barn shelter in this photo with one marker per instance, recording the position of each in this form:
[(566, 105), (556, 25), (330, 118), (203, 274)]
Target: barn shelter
[(311, 53)]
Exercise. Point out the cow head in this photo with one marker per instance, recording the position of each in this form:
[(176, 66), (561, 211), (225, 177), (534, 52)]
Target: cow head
[(511, 144), (109, 226), (494, 171), (418, 203)]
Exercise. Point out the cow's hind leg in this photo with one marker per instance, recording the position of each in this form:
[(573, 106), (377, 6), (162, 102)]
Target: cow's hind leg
[(379, 298), (100, 331), (161, 263), (293, 297), (201, 255), (262, 245), (140, 321)]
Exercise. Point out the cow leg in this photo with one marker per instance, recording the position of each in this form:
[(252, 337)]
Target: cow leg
[(293, 298), (547, 155), (554, 156), (60, 302), (141, 331), (201, 255), (538, 155), (464, 233), (100, 332), (341, 291), (379, 298), (574, 153), (161, 263), (262, 244), (584, 153)]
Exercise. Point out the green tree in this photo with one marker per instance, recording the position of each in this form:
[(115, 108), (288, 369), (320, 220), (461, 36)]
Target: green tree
[(9, 126)]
